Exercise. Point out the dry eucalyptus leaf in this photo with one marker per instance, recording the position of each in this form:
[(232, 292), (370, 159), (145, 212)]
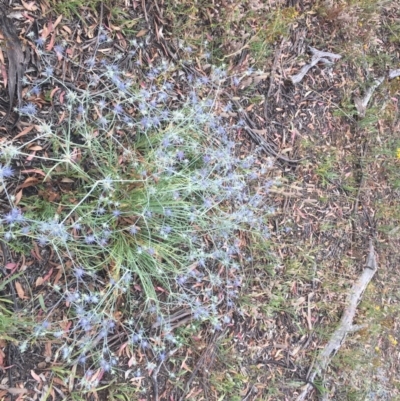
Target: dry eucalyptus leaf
[(141, 33), (29, 5), (20, 290)]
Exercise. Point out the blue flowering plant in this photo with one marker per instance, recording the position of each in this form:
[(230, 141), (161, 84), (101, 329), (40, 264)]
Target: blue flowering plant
[(149, 216)]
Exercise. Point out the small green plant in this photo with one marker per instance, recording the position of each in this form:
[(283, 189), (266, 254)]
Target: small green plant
[(12, 321), (73, 8), (326, 170)]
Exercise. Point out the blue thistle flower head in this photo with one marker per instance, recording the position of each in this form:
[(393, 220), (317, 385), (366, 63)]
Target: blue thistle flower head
[(29, 109), (6, 172)]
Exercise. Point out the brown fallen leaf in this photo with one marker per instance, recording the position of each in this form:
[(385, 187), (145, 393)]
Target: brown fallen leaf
[(24, 132), (10, 266), (29, 5), (35, 376), (2, 356), (48, 275), (35, 147), (50, 45), (20, 290), (30, 181), (47, 347), (58, 20), (15, 390), (34, 170), (142, 32), (66, 29)]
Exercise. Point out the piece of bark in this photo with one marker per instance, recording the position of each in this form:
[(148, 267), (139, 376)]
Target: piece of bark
[(346, 322), (16, 58)]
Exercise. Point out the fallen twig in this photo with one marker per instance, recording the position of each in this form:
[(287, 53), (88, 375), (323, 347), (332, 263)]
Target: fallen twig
[(272, 79), (346, 323), (394, 74), (317, 57), (361, 103)]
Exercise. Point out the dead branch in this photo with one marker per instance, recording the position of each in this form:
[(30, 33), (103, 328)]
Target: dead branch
[(16, 59), (346, 323), (361, 103), (317, 57)]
